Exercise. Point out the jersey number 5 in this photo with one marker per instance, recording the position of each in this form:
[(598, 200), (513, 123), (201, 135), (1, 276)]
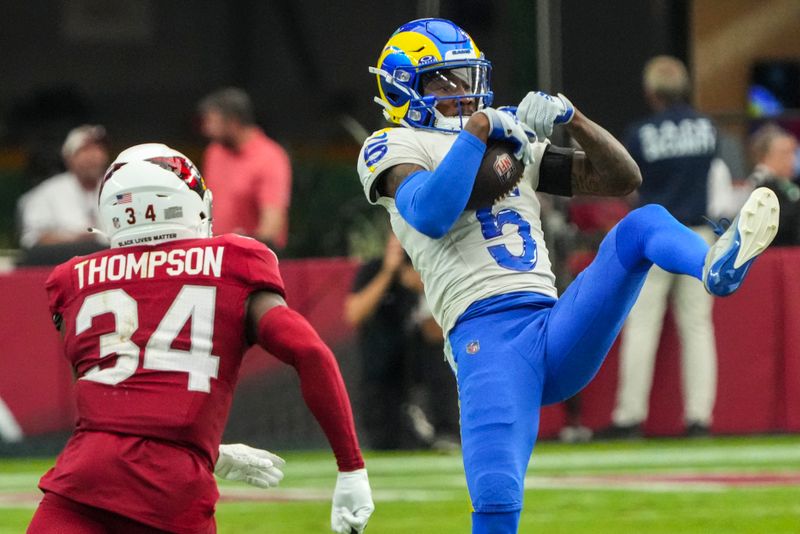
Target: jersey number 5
[(492, 226), (193, 302)]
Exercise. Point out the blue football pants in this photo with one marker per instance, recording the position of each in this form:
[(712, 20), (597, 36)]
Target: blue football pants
[(522, 354)]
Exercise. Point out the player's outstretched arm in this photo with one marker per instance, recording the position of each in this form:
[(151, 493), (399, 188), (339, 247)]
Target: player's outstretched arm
[(288, 336), (257, 467)]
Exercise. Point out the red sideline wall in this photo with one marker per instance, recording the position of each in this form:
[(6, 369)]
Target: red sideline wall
[(757, 330)]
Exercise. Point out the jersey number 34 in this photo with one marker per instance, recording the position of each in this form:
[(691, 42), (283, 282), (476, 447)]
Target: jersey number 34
[(193, 302)]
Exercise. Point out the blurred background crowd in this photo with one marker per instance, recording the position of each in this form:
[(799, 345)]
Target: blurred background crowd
[(272, 101)]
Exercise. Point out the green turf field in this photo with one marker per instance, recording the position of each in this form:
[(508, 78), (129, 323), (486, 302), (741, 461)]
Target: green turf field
[(722, 485)]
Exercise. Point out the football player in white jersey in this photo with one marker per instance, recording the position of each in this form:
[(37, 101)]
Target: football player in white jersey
[(513, 346)]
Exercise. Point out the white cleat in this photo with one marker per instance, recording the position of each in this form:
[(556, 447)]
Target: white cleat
[(729, 259)]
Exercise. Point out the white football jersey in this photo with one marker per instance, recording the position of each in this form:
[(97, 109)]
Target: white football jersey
[(491, 251)]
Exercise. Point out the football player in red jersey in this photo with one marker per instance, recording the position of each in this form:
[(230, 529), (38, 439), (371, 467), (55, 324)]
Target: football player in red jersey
[(155, 329)]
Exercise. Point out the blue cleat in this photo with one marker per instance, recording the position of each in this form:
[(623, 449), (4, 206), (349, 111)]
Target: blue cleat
[(750, 233)]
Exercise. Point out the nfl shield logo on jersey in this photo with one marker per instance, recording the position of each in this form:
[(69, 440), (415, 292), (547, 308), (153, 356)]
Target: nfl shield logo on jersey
[(473, 347)]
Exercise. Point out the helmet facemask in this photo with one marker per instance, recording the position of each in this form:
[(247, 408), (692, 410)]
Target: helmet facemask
[(467, 87), (425, 88)]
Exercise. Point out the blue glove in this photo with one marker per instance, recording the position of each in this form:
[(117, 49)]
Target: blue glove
[(540, 111), (504, 125)]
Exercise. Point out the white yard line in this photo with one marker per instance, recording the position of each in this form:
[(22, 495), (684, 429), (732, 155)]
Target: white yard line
[(711, 455), (744, 455), (691, 515), (586, 484), (425, 478), (17, 481)]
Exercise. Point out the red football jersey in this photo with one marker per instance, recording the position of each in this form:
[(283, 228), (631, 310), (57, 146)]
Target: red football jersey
[(155, 335)]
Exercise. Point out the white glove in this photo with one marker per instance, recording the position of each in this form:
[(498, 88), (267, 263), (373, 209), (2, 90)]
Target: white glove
[(255, 466), (352, 502), (513, 111), (540, 111), (504, 125)]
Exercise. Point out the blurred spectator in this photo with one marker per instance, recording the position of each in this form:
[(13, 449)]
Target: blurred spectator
[(407, 395), (677, 151), (774, 151), (58, 212), (249, 173)]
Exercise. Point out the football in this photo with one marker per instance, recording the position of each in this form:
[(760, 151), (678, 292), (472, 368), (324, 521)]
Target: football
[(499, 173)]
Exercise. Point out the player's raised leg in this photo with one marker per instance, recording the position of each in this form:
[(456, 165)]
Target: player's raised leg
[(590, 314)]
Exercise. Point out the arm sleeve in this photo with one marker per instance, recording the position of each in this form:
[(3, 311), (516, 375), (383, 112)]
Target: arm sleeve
[(288, 336), (432, 201)]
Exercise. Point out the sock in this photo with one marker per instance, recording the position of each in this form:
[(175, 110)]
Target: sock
[(495, 523)]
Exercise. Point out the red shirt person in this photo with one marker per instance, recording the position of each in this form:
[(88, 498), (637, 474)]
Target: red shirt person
[(155, 329), (250, 174)]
